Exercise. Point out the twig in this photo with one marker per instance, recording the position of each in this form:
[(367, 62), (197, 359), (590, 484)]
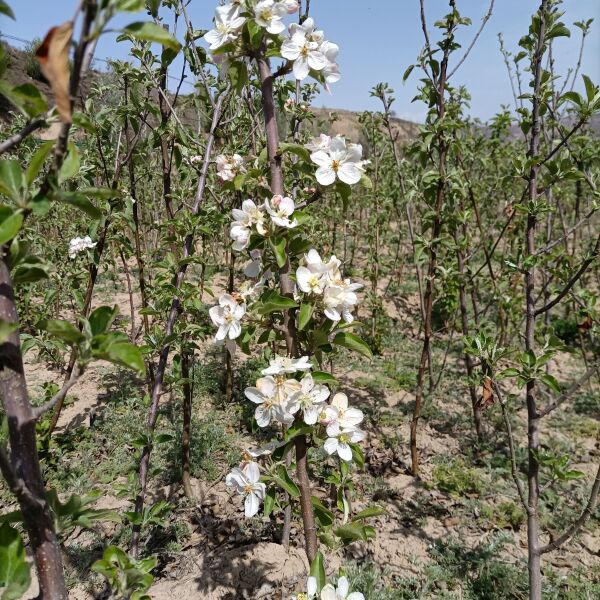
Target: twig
[(59, 396), (584, 265), (511, 449), (484, 21), (580, 522), (18, 137), (566, 395)]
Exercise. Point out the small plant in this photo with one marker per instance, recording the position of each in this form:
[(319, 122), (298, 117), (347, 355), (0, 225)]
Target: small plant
[(129, 579)]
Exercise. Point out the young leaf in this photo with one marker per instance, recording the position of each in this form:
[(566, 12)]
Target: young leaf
[(352, 342), (101, 318), (324, 377), (371, 511), (53, 56), (317, 570), (304, 314), (126, 354), (151, 32), (5, 9), (37, 161), (284, 481), (11, 179), (10, 227), (63, 330), (14, 569), (278, 247)]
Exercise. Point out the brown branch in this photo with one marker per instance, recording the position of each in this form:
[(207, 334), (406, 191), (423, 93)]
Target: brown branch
[(59, 396), (484, 21), (582, 269), (567, 394), (579, 522)]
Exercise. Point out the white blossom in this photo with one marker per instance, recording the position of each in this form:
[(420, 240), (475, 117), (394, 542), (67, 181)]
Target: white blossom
[(291, 6), (338, 415), (309, 282), (268, 14), (246, 483), (272, 397), (244, 219), (341, 592), (229, 166), (78, 244), (320, 143), (301, 48), (281, 209), (311, 590), (340, 442), (284, 364), (310, 399), (340, 160), (227, 316), (227, 25)]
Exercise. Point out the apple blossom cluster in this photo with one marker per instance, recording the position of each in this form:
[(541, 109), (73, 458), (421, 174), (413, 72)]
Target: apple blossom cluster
[(229, 166), (251, 219), (281, 399), (337, 159), (304, 47), (329, 592), (324, 282), (78, 244)]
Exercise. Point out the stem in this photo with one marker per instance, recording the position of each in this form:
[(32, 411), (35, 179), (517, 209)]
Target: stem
[(21, 468), (187, 423), (287, 288), (172, 318), (533, 527)]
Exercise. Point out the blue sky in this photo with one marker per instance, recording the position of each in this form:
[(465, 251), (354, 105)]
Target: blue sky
[(378, 39)]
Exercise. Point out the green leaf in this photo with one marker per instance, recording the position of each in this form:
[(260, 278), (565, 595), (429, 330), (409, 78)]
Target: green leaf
[(130, 5), (27, 98), (102, 318), (272, 302), (5, 9), (151, 32), (407, 72), (297, 429), (78, 200), (324, 377), (304, 314), (324, 516), (62, 330), (126, 354), (37, 162), (14, 570), (11, 179), (297, 149), (284, 481), (551, 382), (367, 513), (278, 246), (10, 227), (352, 342), (153, 6), (269, 502), (317, 570), (353, 532), (70, 166), (238, 74)]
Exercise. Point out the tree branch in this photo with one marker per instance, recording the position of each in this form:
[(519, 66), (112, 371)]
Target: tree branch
[(566, 395), (584, 265), (60, 395), (580, 522), (484, 21)]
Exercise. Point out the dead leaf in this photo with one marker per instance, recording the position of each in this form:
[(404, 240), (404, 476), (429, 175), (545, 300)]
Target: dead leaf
[(586, 325), (488, 395), (53, 56)]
